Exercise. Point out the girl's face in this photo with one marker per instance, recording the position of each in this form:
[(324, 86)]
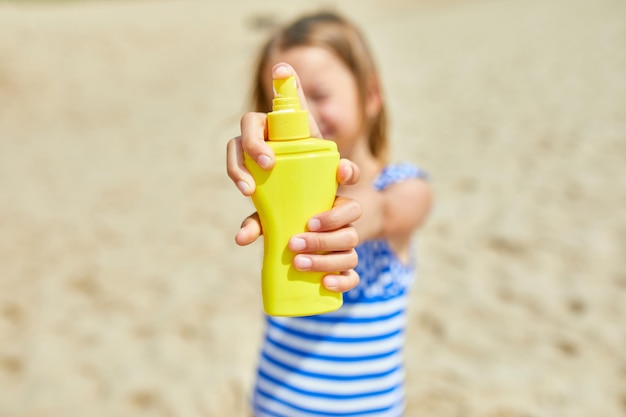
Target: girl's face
[(331, 93)]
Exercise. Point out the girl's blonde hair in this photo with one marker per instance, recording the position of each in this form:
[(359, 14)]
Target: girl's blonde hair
[(339, 36)]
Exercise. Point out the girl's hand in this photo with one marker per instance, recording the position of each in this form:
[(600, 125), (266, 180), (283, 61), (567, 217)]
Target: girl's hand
[(331, 232), (254, 134)]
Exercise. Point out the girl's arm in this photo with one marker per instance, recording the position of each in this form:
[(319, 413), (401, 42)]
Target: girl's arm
[(405, 207), (393, 214)]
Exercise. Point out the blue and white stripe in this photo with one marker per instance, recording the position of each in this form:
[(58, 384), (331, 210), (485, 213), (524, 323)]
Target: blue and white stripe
[(327, 365)]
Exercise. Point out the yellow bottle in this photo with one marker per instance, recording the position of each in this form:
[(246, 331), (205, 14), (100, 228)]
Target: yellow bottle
[(302, 183)]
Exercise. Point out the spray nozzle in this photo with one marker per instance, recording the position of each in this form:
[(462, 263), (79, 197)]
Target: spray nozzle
[(286, 94), (288, 120)]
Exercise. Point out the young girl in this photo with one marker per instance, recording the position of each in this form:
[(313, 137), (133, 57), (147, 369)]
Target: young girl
[(348, 362)]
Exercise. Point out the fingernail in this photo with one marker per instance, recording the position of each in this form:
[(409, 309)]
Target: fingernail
[(264, 161), (281, 67), (303, 263), (243, 186), (346, 173), (331, 283), (314, 224), (241, 234), (297, 243)]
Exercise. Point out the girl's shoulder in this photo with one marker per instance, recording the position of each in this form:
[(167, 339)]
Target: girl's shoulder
[(398, 172)]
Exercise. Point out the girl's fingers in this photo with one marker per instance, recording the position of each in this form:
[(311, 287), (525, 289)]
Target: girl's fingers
[(250, 230), (345, 211), (347, 172), (284, 70), (251, 142), (253, 134), (342, 239), (330, 262), (343, 282), (236, 169)]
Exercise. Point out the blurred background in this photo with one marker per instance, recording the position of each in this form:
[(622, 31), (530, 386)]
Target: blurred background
[(122, 292)]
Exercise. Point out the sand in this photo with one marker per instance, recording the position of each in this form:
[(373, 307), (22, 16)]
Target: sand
[(122, 292)]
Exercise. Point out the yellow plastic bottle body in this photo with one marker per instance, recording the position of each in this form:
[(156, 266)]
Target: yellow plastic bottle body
[(301, 184)]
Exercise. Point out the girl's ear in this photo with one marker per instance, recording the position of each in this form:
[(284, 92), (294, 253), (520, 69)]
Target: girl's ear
[(374, 100)]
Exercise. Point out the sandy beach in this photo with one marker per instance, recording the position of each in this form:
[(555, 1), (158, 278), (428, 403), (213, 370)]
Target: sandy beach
[(122, 292)]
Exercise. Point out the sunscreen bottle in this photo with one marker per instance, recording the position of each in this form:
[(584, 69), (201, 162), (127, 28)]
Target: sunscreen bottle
[(302, 183)]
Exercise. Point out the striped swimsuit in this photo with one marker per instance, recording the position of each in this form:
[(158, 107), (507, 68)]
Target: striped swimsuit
[(347, 362)]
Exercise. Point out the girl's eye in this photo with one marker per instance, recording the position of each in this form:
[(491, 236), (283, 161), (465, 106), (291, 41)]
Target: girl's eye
[(319, 97)]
